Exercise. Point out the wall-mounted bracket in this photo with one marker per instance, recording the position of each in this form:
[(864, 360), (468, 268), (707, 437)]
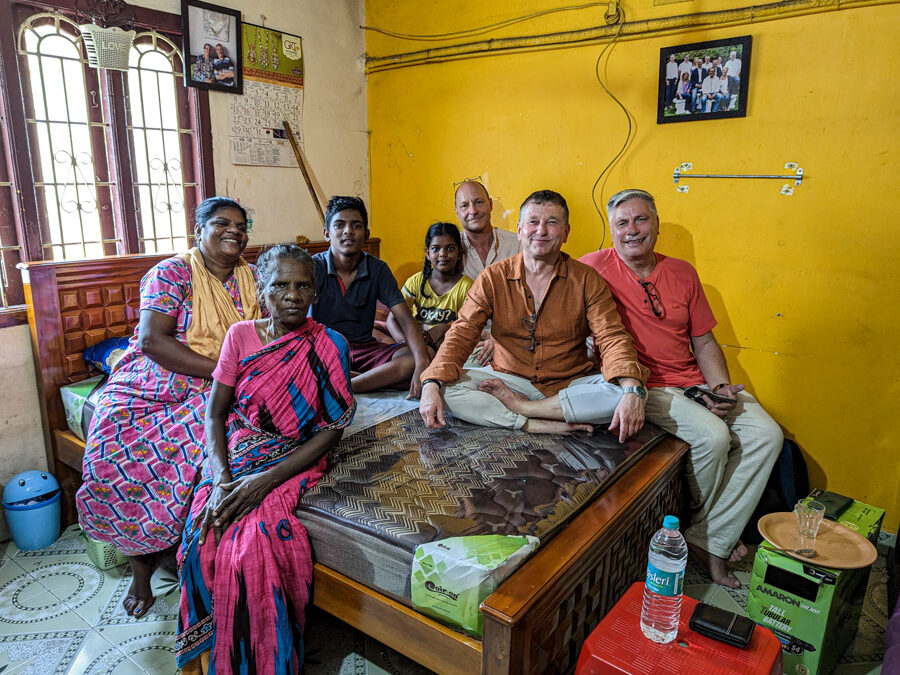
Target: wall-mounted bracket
[(683, 171)]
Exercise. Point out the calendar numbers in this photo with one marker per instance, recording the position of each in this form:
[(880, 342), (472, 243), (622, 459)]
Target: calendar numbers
[(257, 130)]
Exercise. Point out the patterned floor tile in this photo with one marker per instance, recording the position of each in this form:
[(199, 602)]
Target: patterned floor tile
[(70, 542), (739, 595), (98, 656), (7, 549), (713, 594), (50, 599), (27, 605), (8, 569), (74, 581), (724, 599), (382, 660), (148, 644), (700, 592), (164, 608), (694, 574), (97, 595), (334, 648), (39, 653)]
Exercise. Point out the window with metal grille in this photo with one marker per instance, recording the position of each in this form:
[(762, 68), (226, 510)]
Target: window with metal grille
[(154, 83), (95, 162)]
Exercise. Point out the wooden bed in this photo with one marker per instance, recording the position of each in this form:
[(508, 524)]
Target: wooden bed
[(535, 622)]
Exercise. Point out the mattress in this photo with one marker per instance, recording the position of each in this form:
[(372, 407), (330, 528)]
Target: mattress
[(395, 485)]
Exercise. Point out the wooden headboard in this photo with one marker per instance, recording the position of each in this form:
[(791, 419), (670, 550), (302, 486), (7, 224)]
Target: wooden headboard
[(72, 306)]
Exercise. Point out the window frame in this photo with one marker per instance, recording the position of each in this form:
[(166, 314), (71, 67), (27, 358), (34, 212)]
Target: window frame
[(20, 204)]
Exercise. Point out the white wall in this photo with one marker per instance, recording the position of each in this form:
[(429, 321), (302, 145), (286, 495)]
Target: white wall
[(334, 123), (334, 116), (21, 437)]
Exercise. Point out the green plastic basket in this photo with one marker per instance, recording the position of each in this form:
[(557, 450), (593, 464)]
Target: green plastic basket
[(104, 556)]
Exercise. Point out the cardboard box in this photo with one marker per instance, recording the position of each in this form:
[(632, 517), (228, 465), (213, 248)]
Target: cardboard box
[(813, 610), (864, 519)]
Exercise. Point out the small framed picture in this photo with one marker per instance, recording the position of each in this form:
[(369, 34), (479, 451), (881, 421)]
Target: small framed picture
[(704, 80), (212, 47)]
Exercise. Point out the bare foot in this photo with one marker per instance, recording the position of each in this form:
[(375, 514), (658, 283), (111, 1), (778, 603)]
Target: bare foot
[(140, 597), (507, 396), (716, 567), (738, 552), (536, 426)]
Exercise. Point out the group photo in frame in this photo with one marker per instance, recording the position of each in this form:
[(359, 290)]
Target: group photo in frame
[(212, 47), (704, 80)]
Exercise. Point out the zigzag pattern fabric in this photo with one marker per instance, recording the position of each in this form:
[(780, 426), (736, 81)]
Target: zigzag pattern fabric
[(409, 485), (244, 596), (145, 444)]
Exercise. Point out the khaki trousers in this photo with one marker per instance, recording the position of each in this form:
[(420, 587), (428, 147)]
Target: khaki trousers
[(729, 464)]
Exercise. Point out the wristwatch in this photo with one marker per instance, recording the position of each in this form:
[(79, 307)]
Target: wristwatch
[(640, 391), (433, 381)]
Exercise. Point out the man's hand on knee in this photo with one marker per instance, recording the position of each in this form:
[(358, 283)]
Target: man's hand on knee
[(628, 418), (431, 407)]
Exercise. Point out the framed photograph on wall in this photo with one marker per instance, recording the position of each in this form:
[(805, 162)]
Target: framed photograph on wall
[(212, 47), (704, 80)]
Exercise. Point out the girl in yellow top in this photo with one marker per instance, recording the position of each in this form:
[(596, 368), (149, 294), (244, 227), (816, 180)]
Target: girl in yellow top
[(435, 294)]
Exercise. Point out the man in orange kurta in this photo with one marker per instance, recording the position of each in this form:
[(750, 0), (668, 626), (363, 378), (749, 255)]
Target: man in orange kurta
[(543, 306)]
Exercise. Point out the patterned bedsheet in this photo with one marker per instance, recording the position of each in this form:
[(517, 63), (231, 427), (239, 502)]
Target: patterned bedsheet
[(396, 485)]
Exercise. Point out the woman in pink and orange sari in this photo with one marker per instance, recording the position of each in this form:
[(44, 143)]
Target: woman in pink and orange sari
[(280, 400)]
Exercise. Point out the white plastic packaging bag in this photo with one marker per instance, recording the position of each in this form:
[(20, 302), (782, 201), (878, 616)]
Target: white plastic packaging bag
[(451, 577)]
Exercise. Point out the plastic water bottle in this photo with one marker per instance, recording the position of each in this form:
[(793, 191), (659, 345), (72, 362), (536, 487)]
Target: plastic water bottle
[(665, 579)]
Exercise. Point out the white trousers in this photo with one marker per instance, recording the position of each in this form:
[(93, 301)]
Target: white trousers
[(729, 465), (587, 400)]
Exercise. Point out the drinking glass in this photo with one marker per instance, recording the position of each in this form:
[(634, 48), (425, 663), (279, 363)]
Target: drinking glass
[(809, 517)]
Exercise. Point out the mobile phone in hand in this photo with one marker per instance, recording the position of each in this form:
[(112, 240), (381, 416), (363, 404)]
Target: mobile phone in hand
[(697, 393)]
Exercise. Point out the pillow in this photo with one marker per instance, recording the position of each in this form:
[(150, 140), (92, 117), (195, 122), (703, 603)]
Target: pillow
[(105, 355)]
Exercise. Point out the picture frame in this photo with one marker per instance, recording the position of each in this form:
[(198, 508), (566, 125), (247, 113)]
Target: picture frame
[(698, 96), (211, 42)]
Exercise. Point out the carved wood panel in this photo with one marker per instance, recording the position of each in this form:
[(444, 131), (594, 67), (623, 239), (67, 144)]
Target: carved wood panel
[(73, 305), (91, 315), (620, 560)]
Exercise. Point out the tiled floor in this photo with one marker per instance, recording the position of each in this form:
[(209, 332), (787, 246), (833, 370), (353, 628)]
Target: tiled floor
[(60, 614)]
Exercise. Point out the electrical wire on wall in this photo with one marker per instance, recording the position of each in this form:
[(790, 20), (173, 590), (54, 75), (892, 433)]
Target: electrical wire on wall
[(488, 28), (612, 17)]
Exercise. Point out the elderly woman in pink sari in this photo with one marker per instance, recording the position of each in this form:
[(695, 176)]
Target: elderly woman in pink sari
[(280, 400)]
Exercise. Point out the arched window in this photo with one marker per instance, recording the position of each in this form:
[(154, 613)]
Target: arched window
[(102, 162), (61, 131), (154, 84)]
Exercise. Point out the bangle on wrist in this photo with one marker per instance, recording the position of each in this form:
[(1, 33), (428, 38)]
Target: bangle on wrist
[(433, 381), (719, 386)]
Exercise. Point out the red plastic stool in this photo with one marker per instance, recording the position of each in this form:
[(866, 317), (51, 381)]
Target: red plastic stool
[(617, 645)]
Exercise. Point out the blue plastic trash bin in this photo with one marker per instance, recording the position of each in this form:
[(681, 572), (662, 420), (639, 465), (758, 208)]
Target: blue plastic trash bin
[(31, 501)]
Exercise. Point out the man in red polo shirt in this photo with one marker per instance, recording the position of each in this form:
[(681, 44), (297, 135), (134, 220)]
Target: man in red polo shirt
[(734, 442)]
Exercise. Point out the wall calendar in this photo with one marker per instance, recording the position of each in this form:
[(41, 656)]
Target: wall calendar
[(273, 93)]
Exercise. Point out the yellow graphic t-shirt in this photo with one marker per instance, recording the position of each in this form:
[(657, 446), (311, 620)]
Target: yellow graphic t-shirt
[(433, 309)]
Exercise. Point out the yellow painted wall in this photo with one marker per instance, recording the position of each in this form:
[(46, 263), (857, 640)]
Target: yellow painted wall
[(805, 287)]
